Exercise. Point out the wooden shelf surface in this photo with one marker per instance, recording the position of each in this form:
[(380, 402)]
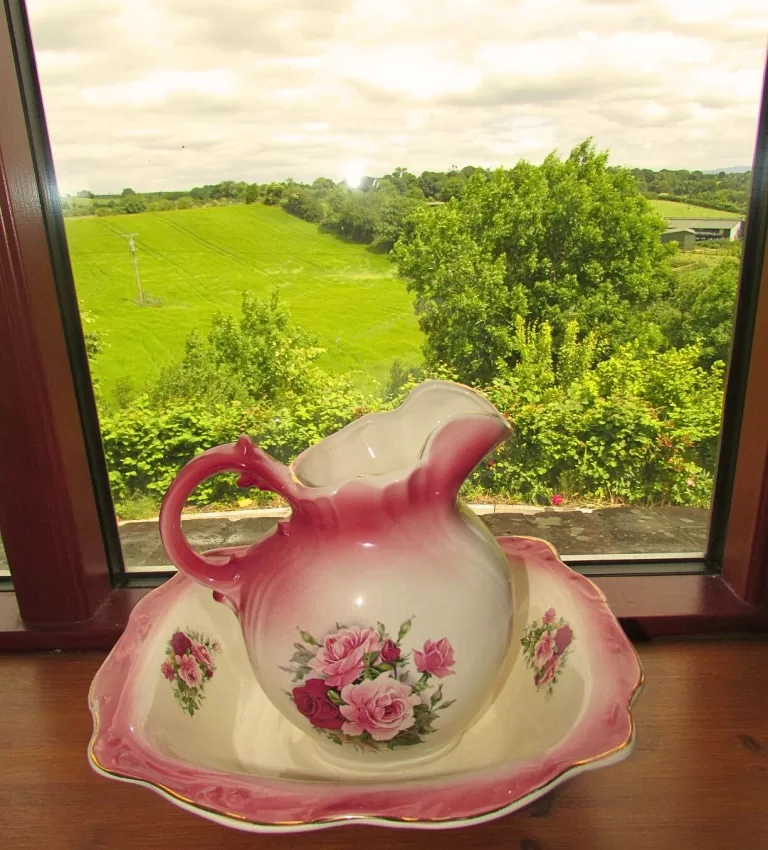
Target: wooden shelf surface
[(698, 777)]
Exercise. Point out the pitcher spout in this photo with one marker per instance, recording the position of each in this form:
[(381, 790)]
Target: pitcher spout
[(446, 427), (461, 439)]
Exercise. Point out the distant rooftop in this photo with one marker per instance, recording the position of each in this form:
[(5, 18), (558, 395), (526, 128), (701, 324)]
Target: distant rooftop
[(706, 223)]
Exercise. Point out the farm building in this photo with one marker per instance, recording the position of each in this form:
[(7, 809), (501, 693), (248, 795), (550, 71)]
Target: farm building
[(684, 237), (708, 228)]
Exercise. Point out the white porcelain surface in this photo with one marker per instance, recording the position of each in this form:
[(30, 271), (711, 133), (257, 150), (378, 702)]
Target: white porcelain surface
[(381, 611)]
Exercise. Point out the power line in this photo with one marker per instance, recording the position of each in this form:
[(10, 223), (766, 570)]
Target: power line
[(132, 249)]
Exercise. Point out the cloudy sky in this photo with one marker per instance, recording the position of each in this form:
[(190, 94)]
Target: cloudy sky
[(168, 94)]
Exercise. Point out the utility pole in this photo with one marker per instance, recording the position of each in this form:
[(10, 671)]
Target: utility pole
[(132, 248)]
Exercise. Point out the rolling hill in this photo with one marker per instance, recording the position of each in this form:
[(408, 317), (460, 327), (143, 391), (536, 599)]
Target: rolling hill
[(677, 209), (194, 262)]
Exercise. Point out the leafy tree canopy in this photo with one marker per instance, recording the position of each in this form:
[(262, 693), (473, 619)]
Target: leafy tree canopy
[(699, 310), (259, 357), (568, 240)]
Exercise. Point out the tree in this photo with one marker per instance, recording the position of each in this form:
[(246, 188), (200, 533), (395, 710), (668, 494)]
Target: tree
[(701, 311), (201, 193), (322, 185), (354, 214), (252, 193), (301, 202), (260, 357), (431, 184), (568, 240), (84, 193), (161, 205), (127, 193), (452, 187), (132, 204), (273, 193), (393, 219), (404, 182), (226, 190)]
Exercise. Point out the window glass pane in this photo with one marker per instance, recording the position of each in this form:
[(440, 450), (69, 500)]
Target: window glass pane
[(282, 215), (4, 571)]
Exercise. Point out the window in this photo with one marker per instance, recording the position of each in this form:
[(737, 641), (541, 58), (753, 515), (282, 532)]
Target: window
[(608, 365), (4, 571)]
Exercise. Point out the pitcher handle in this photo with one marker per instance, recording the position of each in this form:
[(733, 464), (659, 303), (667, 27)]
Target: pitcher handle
[(257, 469)]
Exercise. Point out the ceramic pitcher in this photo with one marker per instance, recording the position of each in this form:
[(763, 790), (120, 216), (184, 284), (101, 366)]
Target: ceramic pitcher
[(377, 617)]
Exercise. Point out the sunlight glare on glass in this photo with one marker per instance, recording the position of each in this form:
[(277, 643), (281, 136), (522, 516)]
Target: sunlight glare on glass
[(353, 174)]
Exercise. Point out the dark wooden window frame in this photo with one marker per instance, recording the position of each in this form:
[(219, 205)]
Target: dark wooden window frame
[(55, 511)]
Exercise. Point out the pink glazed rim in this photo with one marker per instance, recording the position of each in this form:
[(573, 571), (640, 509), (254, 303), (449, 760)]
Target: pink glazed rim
[(604, 733)]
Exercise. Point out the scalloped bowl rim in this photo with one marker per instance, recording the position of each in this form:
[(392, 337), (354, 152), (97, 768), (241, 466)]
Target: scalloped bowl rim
[(607, 754)]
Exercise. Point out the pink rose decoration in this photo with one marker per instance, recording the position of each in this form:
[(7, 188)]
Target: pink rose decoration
[(202, 654), (545, 649), (341, 658), (557, 500), (547, 673), (189, 671), (563, 638), (166, 668), (549, 617), (436, 659), (382, 707)]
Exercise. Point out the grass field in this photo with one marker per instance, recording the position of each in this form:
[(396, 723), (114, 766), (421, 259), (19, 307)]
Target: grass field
[(194, 262), (676, 209)]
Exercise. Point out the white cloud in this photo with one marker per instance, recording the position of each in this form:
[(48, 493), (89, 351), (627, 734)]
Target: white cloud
[(158, 85), (174, 93)]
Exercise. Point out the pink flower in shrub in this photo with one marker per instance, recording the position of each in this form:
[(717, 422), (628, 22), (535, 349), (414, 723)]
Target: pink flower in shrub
[(312, 701), (563, 638), (202, 654), (180, 643), (341, 658), (436, 658), (545, 649), (557, 500), (166, 668), (382, 707), (189, 671), (549, 617), (547, 673)]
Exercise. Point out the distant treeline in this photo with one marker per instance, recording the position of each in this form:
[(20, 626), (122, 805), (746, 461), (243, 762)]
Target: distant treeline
[(376, 212), (721, 191)]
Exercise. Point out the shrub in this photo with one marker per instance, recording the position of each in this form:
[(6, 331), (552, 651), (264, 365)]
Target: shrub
[(301, 202), (146, 447), (637, 428), (255, 376)]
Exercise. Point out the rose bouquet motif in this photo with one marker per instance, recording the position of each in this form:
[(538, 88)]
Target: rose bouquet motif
[(190, 661), (360, 688), (546, 646)]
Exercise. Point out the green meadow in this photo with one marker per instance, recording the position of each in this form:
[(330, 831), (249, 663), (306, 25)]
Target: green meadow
[(195, 262), (677, 209)]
